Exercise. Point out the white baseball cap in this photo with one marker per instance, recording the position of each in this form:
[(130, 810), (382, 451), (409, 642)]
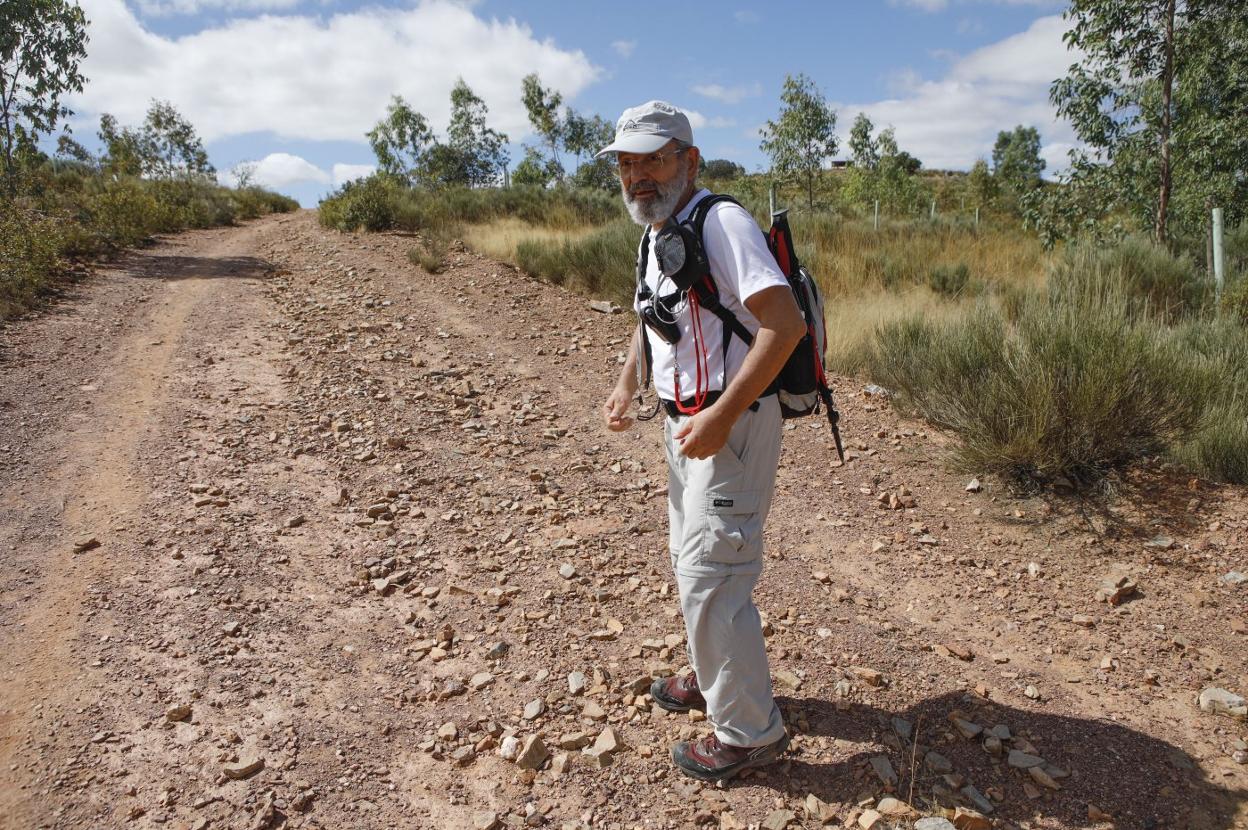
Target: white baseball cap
[(648, 127)]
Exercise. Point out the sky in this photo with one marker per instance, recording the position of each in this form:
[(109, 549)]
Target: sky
[(293, 85)]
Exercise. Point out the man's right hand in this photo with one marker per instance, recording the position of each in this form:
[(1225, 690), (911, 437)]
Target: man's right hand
[(615, 410)]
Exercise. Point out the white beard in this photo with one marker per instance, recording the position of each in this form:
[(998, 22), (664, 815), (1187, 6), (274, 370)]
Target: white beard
[(661, 207)]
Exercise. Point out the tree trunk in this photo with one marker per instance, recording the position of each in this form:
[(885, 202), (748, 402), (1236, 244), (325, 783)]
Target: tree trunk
[(1167, 89), (810, 191)]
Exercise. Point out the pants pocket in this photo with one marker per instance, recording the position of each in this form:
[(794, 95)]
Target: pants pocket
[(733, 533)]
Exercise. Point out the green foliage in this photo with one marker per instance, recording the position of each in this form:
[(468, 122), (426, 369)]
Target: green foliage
[(1016, 161), (78, 211), (400, 139), (981, 187), (722, 169), (30, 251), (408, 152), (1164, 111), (480, 148), (862, 145), (887, 175), (543, 107), (165, 147), (382, 202), (535, 170), (599, 174), (42, 43), (804, 136)]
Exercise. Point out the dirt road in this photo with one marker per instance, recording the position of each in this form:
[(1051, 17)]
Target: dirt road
[(295, 534)]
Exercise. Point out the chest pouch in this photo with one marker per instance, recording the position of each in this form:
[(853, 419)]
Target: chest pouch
[(682, 258)]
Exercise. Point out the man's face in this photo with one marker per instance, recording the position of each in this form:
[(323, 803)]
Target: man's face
[(652, 183)]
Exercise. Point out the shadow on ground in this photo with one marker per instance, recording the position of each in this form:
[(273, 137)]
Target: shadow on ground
[(1139, 780), (170, 267)]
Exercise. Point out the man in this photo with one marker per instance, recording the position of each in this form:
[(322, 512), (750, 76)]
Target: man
[(721, 458)]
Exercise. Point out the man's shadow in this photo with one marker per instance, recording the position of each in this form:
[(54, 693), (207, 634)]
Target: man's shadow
[(1138, 780)]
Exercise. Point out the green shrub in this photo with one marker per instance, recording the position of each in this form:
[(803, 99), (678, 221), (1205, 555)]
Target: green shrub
[(29, 257), (1166, 285), (949, 280), (380, 203), (433, 253), (1080, 385)]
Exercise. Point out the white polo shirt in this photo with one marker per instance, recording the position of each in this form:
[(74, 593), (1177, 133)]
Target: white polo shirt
[(741, 265)]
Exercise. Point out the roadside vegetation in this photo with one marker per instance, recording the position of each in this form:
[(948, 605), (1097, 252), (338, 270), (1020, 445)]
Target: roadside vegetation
[(1062, 330), (61, 208)]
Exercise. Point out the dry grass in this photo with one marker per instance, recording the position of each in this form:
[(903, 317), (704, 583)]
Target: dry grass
[(498, 239), (853, 321)]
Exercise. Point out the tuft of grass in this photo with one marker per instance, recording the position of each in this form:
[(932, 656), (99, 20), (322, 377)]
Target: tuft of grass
[(500, 238), (1079, 385), (1152, 278)]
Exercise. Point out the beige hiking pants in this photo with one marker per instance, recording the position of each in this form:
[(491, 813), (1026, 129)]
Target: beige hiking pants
[(717, 507)]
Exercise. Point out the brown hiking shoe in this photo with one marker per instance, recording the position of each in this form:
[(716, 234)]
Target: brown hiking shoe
[(708, 759), (678, 694)]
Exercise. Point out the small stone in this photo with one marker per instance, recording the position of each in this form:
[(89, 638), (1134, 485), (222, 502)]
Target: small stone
[(178, 713), (485, 821), (481, 680), (965, 728), (608, 740), (1222, 702), (960, 651), (1023, 760), (964, 819), (509, 748), (497, 650), (1043, 778), (870, 820), (937, 763), (1032, 692), (1097, 814), (232, 629), (818, 809), (567, 570), (883, 769), (992, 745), (788, 679), (903, 728), (1233, 578), (577, 682), (593, 711), (933, 823), (84, 545), (599, 757), (448, 731), (894, 808), (779, 819), (821, 576), (974, 486), (574, 740), (982, 804), (532, 753), (534, 709), (463, 756), (869, 676), (243, 769)]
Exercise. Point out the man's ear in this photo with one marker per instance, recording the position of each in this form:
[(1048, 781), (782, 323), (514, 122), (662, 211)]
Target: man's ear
[(695, 156)]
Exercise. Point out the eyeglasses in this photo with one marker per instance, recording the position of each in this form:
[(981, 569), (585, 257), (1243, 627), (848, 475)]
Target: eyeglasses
[(652, 163)]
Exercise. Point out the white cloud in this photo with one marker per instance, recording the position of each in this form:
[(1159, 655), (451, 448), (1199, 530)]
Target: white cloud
[(315, 78), (746, 17), (165, 8), (699, 121), (281, 170), (729, 95), (950, 122), (344, 173), (624, 48)]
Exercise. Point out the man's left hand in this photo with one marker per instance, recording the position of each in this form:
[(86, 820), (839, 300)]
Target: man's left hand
[(704, 434)]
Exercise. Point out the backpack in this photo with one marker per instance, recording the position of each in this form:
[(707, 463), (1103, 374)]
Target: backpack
[(801, 384)]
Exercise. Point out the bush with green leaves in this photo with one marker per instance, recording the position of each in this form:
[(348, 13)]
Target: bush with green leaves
[(30, 251), (381, 202)]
